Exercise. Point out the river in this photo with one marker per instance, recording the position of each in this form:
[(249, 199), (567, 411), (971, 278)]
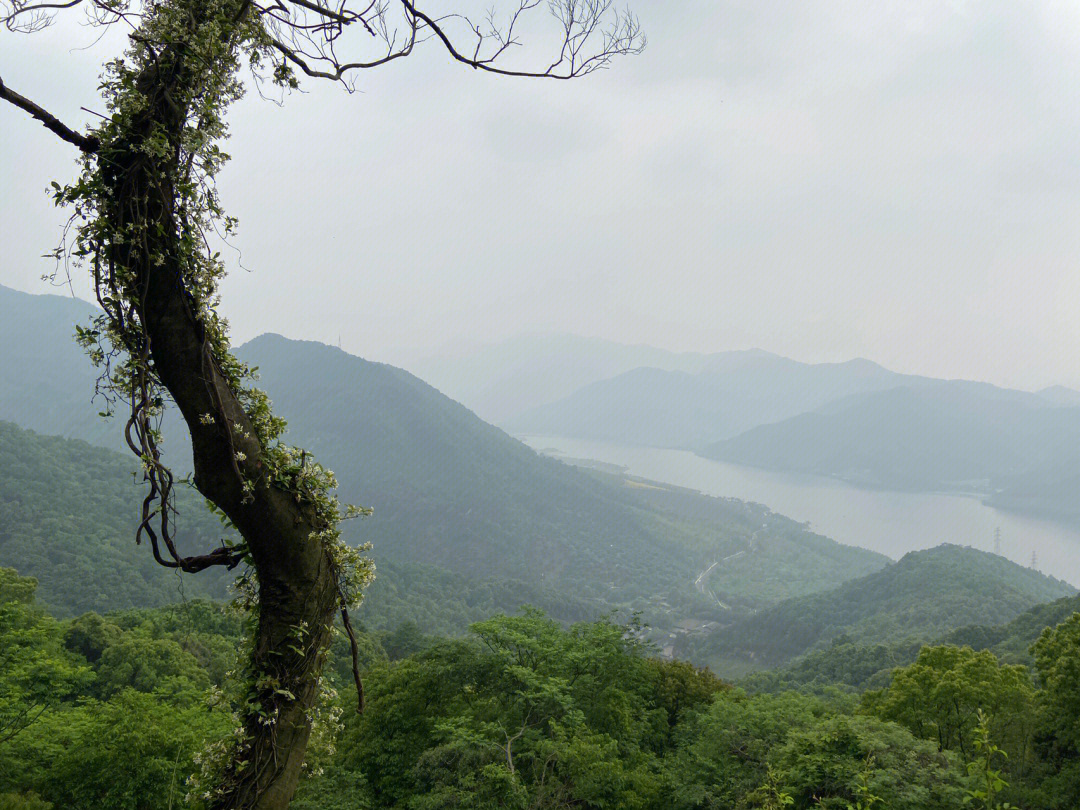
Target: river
[(892, 523)]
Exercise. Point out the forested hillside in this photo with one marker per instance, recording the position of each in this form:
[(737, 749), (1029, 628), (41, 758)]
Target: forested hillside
[(84, 553), (923, 596), (68, 513), (847, 664)]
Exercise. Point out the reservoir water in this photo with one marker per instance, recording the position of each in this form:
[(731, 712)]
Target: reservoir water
[(892, 523)]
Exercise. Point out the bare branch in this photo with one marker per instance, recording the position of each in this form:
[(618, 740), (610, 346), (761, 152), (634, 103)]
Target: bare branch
[(86, 143), (28, 17), (308, 34)]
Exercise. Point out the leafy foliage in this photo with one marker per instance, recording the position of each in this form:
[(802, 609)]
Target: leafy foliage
[(1057, 662), (35, 671), (525, 713), (943, 695), (118, 704)]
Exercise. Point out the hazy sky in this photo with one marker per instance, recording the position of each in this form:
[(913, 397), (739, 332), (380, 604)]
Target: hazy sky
[(893, 180)]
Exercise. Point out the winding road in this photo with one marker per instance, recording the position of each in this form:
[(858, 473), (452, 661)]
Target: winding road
[(702, 580)]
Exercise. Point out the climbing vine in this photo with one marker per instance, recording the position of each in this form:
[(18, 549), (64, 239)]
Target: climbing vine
[(166, 101)]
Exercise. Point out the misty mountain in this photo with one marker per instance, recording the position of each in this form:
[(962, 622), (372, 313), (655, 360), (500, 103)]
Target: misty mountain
[(1060, 395), (923, 596), (447, 487), (46, 381), (940, 435), (453, 492), (500, 381), (1053, 491), (732, 393)]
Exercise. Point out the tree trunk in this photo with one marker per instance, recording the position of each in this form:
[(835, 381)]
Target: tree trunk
[(297, 587)]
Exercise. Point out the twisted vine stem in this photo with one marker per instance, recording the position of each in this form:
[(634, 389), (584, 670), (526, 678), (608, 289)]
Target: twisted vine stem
[(144, 208)]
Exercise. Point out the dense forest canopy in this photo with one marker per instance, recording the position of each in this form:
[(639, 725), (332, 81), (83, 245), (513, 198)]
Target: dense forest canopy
[(115, 711)]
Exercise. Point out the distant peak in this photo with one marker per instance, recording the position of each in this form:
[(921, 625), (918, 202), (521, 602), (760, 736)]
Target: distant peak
[(1060, 395)]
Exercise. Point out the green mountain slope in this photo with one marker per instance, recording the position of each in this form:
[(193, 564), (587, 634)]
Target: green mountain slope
[(67, 517), (855, 666), (439, 477), (923, 596), (68, 513)]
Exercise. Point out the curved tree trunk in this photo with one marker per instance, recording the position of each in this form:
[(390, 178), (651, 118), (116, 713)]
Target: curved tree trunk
[(297, 596)]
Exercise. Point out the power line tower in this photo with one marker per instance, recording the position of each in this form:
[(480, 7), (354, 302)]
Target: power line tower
[(1034, 559), (997, 541)]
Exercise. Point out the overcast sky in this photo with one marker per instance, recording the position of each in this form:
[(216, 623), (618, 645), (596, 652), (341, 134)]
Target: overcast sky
[(892, 180)]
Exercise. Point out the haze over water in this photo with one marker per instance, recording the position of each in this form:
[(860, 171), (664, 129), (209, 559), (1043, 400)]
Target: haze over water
[(892, 523)]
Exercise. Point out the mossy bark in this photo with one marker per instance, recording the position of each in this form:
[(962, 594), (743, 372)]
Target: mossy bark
[(297, 591)]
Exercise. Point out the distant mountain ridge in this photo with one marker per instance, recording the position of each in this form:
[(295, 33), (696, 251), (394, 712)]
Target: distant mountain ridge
[(501, 380), (1060, 395), (43, 373), (727, 396), (855, 420), (942, 435)]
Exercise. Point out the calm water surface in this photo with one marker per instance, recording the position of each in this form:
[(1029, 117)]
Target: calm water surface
[(892, 523)]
